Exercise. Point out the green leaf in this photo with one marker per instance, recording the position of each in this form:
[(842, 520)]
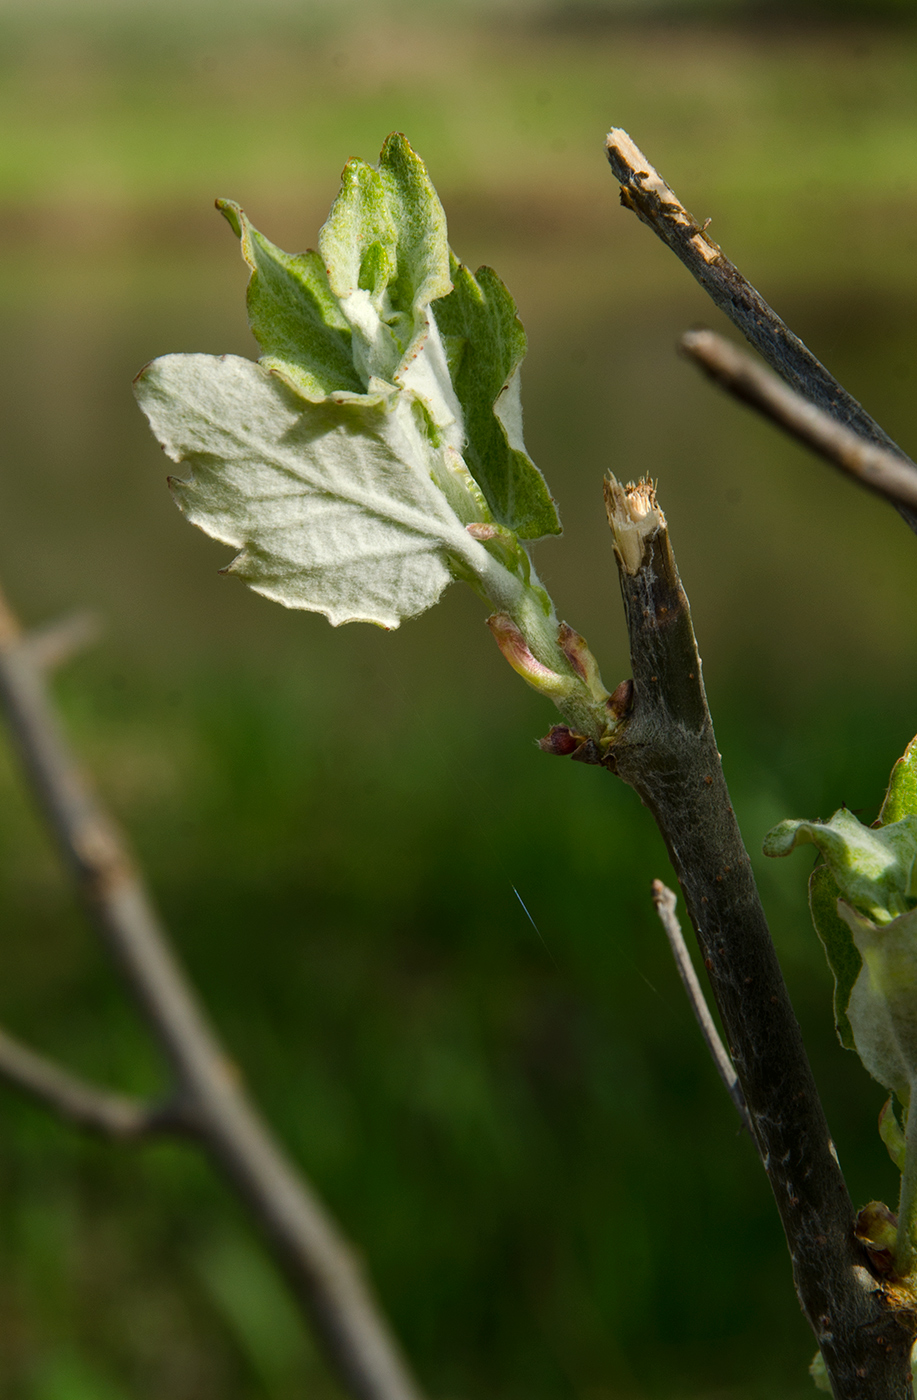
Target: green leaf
[(294, 315), (883, 1004), (481, 315), (335, 467), (892, 1134), (331, 505), (863, 906), (901, 798), (385, 250), (841, 951), (819, 1373), (874, 867)]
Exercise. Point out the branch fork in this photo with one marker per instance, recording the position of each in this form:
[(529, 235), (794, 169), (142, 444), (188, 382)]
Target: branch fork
[(206, 1100)]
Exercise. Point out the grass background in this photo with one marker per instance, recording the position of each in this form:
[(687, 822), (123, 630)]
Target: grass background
[(517, 1124)]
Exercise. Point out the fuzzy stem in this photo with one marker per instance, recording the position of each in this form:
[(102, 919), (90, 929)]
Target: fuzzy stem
[(580, 697)]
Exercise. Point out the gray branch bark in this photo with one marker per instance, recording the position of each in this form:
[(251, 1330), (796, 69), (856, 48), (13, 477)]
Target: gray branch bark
[(666, 750), (647, 195), (318, 1262), (86, 1105), (875, 468)]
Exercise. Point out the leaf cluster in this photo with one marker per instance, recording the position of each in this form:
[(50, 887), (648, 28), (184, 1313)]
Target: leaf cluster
[(383, 420)]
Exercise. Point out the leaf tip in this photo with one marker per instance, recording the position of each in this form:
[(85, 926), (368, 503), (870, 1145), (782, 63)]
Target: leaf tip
[(141, 375), (232, 213), (178, 488), (784, 837), (237, 564), (396, 146)]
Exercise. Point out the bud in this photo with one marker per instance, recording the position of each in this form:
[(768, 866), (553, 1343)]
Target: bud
[(517, 652), (877, 1230), (561, 741)]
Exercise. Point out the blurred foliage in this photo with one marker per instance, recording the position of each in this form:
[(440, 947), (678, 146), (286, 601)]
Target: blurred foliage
[(348, 831)]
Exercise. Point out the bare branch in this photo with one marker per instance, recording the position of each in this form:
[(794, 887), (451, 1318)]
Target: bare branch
[(647, 195), (665, 900), (56, 643), (666, 750), (318, 1262), (875, 468), (83, 1104)]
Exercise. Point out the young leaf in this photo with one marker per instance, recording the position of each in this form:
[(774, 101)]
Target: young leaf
[(480, 314), (873, 867), (837, 940), (819, 1373), (385, 250), (892, 1134), (336, 467), (294, 315), (883, 1004), (901, 798), (331, 505)]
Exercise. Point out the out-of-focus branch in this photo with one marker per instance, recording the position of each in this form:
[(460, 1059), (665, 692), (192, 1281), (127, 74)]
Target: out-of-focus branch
[(876, 468), (83, 1104), (664, 899), (318, 1262), (665, 748), (58, 642), (647, 195)]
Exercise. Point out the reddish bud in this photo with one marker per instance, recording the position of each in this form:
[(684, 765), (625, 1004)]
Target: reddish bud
[(621, 701), (560, 741), (517, 652)]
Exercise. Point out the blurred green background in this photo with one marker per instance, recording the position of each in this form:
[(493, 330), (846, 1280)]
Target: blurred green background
[(518, 1125)]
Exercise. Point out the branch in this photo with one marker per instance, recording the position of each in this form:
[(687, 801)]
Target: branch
[(876, 468), (50, 646), (665, 900), (666, 750), (85, 1105), (647, 195), (308, 1245)]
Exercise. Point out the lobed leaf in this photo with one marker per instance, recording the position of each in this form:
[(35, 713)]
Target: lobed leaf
[(480, 316), (331, 505), (337, 468), (294, 314)]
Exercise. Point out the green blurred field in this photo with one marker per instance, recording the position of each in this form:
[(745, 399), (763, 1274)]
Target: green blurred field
[(518, 1125)]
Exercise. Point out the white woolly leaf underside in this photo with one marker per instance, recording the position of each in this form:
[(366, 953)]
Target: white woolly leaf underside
[(330, 505)]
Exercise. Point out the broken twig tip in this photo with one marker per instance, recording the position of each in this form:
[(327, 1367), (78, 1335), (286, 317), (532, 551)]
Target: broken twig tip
[(634, 516)]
